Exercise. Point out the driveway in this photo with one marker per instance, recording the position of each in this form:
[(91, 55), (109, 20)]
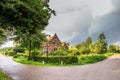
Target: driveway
[(108, 69)]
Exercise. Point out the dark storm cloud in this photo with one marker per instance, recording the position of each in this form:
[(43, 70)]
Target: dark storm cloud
[(78, 19), (109, 24), (116, 4)]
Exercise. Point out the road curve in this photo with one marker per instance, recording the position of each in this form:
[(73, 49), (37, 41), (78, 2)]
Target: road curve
[(108, 69)]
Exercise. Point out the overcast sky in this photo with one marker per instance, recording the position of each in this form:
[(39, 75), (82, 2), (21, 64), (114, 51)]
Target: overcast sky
[(78, 19)]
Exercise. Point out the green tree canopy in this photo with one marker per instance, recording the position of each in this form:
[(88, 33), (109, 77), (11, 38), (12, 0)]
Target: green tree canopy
[(24, 15), (114, 48), (26, 18), (103, 43), (88, 41)]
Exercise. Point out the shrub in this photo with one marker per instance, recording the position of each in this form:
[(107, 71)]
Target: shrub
[(59, 52), (11, 53), (66, 60), (18, 55), (92, 58), (19, 50)]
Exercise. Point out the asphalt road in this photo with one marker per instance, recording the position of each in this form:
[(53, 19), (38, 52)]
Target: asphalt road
[(108, 69)]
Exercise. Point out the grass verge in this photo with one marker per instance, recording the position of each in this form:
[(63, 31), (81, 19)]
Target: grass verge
[(3, 76)]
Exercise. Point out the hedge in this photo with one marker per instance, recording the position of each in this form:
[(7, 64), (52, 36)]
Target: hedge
[(66, 60), (91, 58)]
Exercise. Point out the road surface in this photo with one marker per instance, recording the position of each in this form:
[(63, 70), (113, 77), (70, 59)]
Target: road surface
[(108, 69)]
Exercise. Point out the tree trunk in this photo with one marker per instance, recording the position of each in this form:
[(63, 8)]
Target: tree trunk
[(30, 44)]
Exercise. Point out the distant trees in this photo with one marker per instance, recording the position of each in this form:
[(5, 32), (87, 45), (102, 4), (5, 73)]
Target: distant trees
[(95, 47), (114, 48), (84, 47), (99, 47)]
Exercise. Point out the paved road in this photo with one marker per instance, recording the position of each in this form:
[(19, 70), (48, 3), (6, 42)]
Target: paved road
[(108, 69)]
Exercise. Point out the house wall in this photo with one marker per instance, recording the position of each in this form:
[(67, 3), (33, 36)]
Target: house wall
[(51, 45)]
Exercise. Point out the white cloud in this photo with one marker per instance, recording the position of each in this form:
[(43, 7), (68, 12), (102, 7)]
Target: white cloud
[(101, 7), (8, 44)]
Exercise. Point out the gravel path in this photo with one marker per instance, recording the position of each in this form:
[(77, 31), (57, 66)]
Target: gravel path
[(108, 69)]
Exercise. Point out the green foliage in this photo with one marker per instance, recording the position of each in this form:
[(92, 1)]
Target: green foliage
[(27, 19), (2, 36), (88, 41), (5, 49), (66, 60), (114, 48), (18, 50), (101, 37), (103, 43), (96, 47), (23, 13), (99, 47), (50, 61), (14, 52), (59, 52), (92, 58), (84, 47), (3, 76)]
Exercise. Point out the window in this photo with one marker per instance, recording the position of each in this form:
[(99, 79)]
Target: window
[(55, 42)]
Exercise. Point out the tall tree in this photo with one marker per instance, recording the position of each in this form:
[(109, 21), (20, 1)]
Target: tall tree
[(103, 43), (25, 17), (88, 41)]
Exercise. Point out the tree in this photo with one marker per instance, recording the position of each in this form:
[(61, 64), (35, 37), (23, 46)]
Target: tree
[(25, 17), (114, 48), (88, 41), (95, 47), (84, 47), (103, 43), (100, 46), (101, 37)]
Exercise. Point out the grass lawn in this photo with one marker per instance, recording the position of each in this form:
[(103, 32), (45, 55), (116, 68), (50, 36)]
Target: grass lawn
[(3, 76), (82, 60)]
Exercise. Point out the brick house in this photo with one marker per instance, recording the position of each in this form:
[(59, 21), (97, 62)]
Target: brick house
[(52, 44)]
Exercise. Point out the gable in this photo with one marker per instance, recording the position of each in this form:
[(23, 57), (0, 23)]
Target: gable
[(55, 40)]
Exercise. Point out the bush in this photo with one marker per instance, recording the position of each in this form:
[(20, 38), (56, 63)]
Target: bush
[(59, 52), (18, 55), (19, 50), (12, 53), (66, 60), (92, 58)]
